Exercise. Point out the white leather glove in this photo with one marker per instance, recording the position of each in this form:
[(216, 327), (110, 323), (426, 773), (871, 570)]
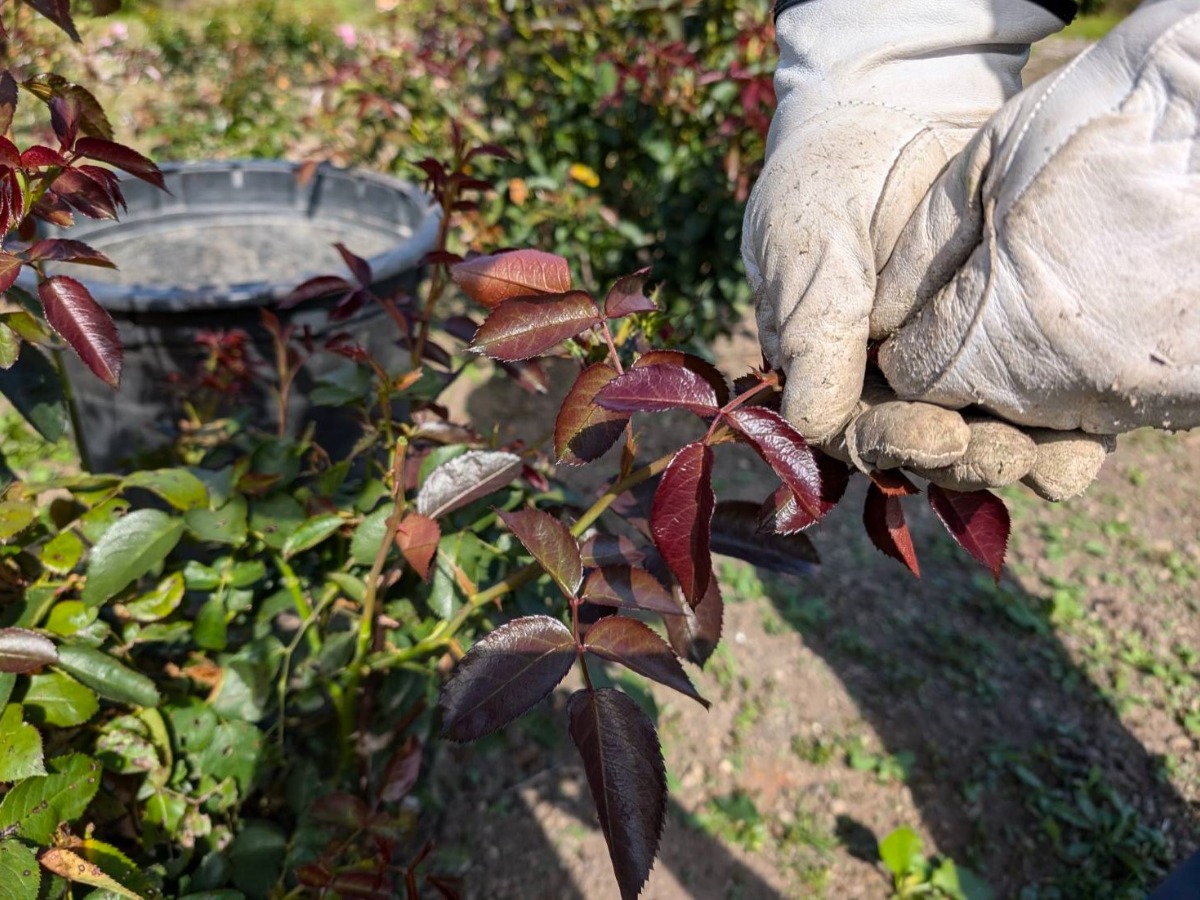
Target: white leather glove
[(1052, 275), (874, 99)]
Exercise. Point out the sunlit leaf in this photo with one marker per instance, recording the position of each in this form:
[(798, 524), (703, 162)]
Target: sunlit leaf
[(63, 250), (692, 363), (490, 280), (465, 479), (628, 588), (20, 747), (977, 520), (312, 532), (883, 518), (85, 325), (528, 326), (628, 781), (178, 487), (130, 548), (785, 451), (10, 268), (736, 532), (552, 545), (23, 651), (19, 871), (109, 678), (681, 518), (632, 644), (58, 12), (893, 483), (782, 514), (120, 157), (417, 538), (504, 675), (628, 295), (584, 431), (75, 868), (33, 809), (656, 388), (695, 633), (59, 700)]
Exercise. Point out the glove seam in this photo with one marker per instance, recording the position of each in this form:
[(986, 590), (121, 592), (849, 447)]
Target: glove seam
[(1135, 83)]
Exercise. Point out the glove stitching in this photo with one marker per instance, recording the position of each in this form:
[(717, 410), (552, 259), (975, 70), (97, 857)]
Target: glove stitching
[(1136, 83)]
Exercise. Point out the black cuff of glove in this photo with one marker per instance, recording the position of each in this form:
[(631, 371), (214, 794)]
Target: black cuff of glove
[(1064, 9)]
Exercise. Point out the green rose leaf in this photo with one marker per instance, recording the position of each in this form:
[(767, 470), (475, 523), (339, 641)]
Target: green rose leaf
[(311, 533), (35, 807), (20, 875), (158, 603), (226, 525), (59, 700), (179, 487), (20, 747), (106, 676), (62, 553), (128, 550)]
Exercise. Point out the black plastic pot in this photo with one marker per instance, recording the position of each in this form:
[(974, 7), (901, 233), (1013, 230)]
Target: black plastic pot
[(232, 237)]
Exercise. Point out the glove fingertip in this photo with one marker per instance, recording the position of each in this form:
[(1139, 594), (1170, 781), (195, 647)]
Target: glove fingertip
[(1067, 463)]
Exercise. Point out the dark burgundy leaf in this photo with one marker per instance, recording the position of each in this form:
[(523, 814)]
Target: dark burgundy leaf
[(505, 675), (736, 532), (39, 157), (786, 452), (441, 258), (321, 286), (978, 520), (87, 109), (10, 268), (681, 518), (635, 505), (434, 169), (10, 156), (552, 545), (523, 327), (695, 633), (400, 773), (631, 644), (348, 306), (8, 100), (85, 325), (24, 651), (490, 280), (358, 266), (628, 295), (528, 374), (781, 514), (605, 549), (883, 517), (584, 431), (705, 370), (50, 208), (58, 12), (628, 588), (768, 395), (85, 195), (461, 327), (656, 388), (628, 781), (121, 157), (893, 483), (417, 539), (63, 250)]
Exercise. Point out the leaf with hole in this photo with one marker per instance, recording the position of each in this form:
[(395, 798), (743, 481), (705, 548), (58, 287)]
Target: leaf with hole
[(33, 809), (524, 327), (736, 532), (129, 549), (552, 545), (628, 782), (632, 644), (490, 280), (23, 651), (505, 675), (681, 518), (584, 431), (20, 747), (628, 296), (695, 633), (626, 587), (658, 388), (883, 518), (465, 479), (417, 538), (977, 520), (85, 325)]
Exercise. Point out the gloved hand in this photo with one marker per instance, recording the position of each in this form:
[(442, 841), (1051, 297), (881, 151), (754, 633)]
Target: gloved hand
[(1052, 275), (874, 100)]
